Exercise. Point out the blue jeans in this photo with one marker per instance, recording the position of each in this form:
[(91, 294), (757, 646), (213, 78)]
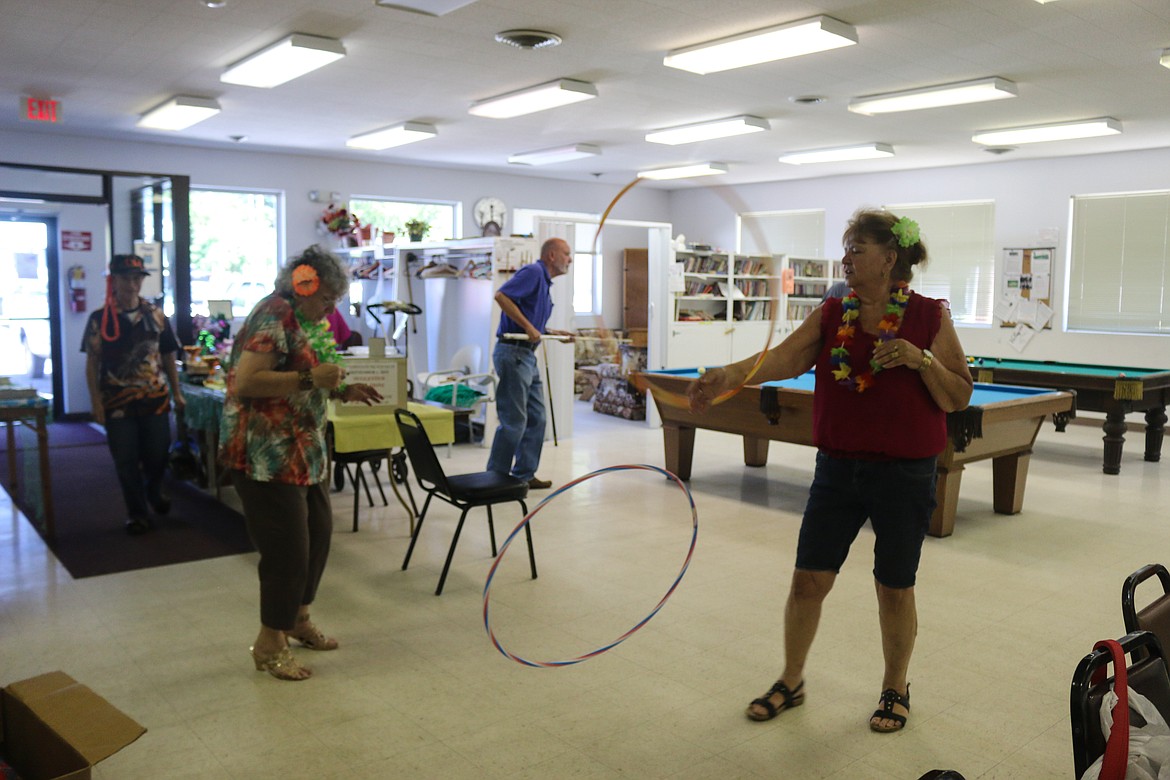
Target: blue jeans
[(896, 496), (520, 407), (140, 446)]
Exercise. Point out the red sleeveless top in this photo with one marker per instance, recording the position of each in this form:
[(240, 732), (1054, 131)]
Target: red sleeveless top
[(896, 417)]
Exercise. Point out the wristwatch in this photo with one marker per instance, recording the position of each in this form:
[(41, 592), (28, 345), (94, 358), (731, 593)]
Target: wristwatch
[(306, 379), (927, 359)]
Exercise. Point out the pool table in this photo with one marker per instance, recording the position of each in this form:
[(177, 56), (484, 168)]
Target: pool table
[(1114, 390), (782, 411)]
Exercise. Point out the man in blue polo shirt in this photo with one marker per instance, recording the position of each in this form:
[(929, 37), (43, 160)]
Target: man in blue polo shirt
[(526, 304)]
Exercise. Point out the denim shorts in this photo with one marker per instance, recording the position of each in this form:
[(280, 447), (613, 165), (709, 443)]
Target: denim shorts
[(896, 496)]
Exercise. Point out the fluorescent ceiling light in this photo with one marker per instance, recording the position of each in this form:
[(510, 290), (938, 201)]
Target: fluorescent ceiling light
[(1166, 58), (285, 60), (560, 92), (684, 171), (179, 113), (806, 36), (839, 154), (405, 133), (555, 155), (705, 131), (427, 7), (1057, 131), (977, 91)]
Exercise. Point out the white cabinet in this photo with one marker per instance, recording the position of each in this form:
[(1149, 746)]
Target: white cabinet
[(724, 310)]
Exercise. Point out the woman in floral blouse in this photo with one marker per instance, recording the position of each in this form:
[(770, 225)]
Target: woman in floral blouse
[(283, 368)]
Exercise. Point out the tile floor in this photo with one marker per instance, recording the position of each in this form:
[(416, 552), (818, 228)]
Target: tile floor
[(1008, 605)]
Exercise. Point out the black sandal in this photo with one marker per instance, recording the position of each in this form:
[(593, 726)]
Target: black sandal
[(889, 698), (790, 699)]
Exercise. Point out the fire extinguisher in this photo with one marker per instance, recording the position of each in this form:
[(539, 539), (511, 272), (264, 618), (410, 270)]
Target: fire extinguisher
[(77, 289)]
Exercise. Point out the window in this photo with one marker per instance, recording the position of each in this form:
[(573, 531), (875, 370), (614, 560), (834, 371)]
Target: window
[(392, 215), (797, 233), (235, 248), (578, 229), (1119, 275), (960, 245)]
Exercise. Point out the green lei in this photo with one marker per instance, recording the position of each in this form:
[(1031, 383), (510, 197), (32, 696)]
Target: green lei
[(321, 341)]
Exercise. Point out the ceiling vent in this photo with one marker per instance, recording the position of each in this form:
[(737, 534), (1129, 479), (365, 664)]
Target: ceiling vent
[(529, 39)]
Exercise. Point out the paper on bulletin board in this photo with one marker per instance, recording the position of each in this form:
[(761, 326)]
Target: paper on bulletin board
[(1026, 280), (1021, 336)]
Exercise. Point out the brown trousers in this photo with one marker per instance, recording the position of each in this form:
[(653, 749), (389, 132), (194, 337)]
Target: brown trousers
[(292, 527)]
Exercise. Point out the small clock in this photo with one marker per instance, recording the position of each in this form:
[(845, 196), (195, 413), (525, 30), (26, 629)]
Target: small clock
[(489, 214)]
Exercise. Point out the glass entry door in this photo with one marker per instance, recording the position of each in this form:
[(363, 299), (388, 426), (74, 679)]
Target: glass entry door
[(26, 351)]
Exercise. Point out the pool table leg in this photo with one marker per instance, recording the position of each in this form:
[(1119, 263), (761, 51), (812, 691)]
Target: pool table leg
[(755, 451), (679, 448), (1009, 474), (1155, 428), (1114, 428), (946, 492)]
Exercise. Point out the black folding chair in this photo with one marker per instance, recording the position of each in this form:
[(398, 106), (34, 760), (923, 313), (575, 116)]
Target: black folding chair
[(463, 491), (1155, 616), (1147, 676)]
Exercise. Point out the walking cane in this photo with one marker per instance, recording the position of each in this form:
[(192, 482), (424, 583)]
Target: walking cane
[(552, 414)]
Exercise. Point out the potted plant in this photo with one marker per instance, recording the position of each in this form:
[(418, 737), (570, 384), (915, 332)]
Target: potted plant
[(417, 228)]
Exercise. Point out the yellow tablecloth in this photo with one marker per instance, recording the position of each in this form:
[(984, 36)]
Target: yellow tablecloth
[(355, 433)]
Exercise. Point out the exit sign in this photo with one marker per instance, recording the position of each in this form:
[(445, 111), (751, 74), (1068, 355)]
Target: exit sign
[(38, 110)]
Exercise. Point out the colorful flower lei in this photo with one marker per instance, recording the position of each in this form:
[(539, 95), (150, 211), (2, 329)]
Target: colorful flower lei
[(888, 329), (906, 231), (321, 341)]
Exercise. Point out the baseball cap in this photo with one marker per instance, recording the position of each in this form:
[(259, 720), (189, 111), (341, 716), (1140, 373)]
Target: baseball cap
[(128, 265)]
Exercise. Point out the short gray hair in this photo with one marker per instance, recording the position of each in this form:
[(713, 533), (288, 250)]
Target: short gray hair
[(329, 267)]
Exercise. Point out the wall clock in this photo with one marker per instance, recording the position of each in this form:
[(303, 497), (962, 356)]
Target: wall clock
[(489, 214)]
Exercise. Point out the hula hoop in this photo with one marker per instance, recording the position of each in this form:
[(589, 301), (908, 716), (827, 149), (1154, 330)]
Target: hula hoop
[(524, 523)]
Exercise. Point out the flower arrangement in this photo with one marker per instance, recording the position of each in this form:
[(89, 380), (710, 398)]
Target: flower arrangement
[(213, 332), (340, 221)]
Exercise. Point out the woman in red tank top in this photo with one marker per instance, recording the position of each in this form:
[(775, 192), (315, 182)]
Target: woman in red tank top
[(889, 366)]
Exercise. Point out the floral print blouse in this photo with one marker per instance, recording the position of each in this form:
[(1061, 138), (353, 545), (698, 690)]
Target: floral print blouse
[(280, 438)]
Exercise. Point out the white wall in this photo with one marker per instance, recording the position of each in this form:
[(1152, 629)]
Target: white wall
[(295, 176), (1030, 196)]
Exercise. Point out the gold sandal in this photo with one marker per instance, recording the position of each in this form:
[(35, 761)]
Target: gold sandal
[(310, 636), (282, 666)]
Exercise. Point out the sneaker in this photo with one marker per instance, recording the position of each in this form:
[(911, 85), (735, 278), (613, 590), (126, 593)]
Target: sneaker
[(136, 526), (539, 484), (161, 505)]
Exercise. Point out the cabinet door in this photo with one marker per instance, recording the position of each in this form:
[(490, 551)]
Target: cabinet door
[(690, 345), (634, 288), (750, 337)]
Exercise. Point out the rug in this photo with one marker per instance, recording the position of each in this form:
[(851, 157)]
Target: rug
[(90, 514)]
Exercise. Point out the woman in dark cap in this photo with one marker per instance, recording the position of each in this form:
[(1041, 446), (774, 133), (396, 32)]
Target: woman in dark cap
[(132, 378)]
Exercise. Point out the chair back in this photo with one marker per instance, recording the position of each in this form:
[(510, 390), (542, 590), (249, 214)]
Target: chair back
[(467, 358), (1155, 616), (1147, 676), (421, 453)]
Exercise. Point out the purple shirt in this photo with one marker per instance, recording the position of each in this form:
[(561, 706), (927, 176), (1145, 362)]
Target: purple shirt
[(529, 289)]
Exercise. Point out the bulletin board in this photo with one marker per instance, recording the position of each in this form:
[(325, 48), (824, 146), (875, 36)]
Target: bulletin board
[(1025, 289)]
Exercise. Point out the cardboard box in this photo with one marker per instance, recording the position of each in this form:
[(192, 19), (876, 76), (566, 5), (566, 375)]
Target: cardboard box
[(54, 728)]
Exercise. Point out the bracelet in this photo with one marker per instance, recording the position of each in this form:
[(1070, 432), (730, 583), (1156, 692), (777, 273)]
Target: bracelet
[(927, 359), (306, 379)]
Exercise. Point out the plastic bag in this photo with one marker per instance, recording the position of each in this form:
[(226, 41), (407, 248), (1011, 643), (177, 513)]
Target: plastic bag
[(1149, 744)]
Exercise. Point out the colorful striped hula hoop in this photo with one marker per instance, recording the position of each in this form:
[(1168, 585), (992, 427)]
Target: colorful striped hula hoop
[(524, 523)]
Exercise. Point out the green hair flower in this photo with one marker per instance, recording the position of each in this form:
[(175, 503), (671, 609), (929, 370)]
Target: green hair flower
[(906, 230)]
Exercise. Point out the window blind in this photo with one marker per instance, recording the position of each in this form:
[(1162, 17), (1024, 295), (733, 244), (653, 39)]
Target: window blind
[(960, 246), (1118, 275)]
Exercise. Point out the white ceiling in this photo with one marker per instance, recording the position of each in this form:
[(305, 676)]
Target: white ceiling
[(108, 61)]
